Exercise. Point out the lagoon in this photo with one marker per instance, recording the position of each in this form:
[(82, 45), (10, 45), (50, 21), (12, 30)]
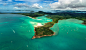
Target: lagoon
[(16, 32)]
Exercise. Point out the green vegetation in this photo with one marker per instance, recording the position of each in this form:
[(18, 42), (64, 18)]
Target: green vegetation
[(40, 31), (55, 18), (60, 17), (44, 30), (32, 14)]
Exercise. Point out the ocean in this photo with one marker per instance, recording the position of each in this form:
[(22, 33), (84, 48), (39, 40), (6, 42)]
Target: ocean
[(17, 30)]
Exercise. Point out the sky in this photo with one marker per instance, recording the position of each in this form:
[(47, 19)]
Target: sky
[(43, 5)]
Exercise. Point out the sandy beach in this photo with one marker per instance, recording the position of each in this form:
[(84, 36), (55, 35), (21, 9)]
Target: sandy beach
[(31, 17), (38, 25)]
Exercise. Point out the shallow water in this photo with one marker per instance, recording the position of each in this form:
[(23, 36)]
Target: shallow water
[(16, 32)]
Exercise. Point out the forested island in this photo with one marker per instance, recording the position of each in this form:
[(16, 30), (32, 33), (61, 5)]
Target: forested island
[(45, 30)]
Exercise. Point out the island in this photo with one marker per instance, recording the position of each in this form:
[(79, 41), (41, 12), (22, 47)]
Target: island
[(44, 30)]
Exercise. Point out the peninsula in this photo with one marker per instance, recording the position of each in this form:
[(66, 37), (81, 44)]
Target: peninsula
[(44, 30)]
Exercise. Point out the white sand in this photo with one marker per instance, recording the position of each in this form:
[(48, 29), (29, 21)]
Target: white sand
[(38, 24), (31, 17)]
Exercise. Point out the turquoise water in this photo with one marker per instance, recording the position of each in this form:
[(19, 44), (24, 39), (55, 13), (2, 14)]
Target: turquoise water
[(16, 32)]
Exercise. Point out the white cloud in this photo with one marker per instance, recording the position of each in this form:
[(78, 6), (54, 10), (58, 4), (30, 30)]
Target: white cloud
[(29, 0), (26, 6), (41, 7), (15, 8), (36, 6), (68, 4), (21, 5), (3, 3)]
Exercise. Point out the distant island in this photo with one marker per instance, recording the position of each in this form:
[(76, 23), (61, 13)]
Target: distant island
[(44, 30)]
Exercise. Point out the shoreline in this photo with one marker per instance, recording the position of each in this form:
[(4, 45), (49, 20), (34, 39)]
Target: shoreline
[(35, 36), (83, 23), (30, 17), (39, 25)]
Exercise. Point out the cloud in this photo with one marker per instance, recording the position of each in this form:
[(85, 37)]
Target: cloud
[(29, 0), (26, 6), (19, 5), (15, 8), (5, 4), (68, 4), (36, 6)]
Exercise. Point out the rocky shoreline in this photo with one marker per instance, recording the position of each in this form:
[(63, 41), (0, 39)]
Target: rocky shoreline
[(84, 23)]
